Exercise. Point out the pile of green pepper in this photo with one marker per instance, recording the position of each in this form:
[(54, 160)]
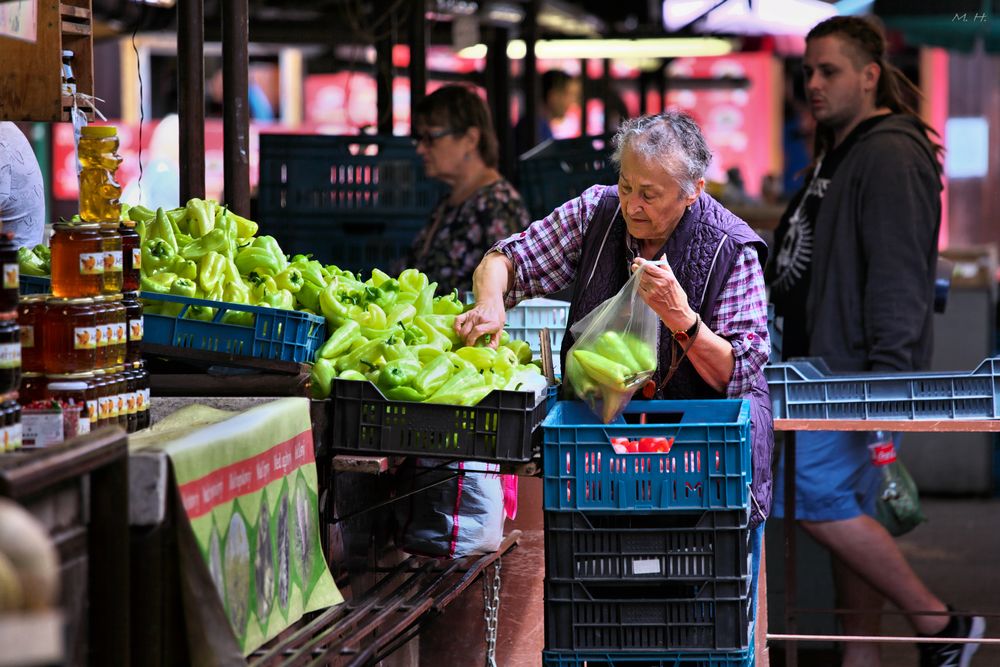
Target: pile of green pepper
[(397, 334)]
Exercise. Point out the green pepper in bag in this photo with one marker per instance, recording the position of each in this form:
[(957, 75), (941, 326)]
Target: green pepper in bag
[(602, 370)]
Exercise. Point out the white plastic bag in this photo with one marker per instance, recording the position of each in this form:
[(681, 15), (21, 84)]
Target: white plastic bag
[(614, 352)]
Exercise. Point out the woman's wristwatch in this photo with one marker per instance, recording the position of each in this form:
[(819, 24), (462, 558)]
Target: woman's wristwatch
[(684, 337)]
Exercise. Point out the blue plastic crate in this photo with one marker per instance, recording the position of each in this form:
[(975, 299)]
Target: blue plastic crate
[(806, 389), (35, 285), (280, 335), (709, 466), (658, 659), (559, 170)]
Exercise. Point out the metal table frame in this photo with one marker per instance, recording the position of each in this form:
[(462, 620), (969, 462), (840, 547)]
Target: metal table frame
[(791, 427)]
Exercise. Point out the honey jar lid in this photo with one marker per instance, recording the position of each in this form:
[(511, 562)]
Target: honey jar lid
[(70, 301), (34, 298), (85, 375), (77, 226), (99, 131)]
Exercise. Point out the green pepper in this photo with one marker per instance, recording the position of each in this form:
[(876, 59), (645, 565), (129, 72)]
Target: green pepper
[(340, 340), (456, 387), (460, 363), (448, 305), (290, 279), (406, 298), (244, 228), (269, 244), (200, 217), (279, 298), (495, 380), (425, 353), (351, 374), (249, 259), (43, 252), (434, 337), (404, 394), (364, 358), (603, 371), (140, 213), (578, 381), (397, 349), (433, 375), (228, 227), (611, 346), (521, 349), (425, 301), (261, 286), (162, 229), (401, 313), (464, 396), (31, 264), (412, 281), (321, 378), (413, 335), (505, 362), (383, 334), (184, 268), (213, 241), (237, 292), (446, 325), (387, 294), (210, 270), (312, 271), (373, 317), (156, 255), (480, 357), (379, 277), (184, 287), (159, 283), (644, 355), (333, 309), (308, 296), (178, 220), (398, 373)]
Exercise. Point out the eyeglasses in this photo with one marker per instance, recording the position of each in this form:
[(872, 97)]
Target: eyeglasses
[(428, 138)]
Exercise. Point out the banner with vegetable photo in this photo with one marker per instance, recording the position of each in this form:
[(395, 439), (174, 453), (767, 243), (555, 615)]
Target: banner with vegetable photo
[(614, 353), (248, 486)]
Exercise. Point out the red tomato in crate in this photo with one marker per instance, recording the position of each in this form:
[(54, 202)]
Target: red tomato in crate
[(658, 445)]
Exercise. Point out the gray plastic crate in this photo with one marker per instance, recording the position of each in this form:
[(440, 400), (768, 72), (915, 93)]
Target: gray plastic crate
[(807, 389)]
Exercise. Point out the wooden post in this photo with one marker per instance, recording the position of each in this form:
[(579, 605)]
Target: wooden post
[(191, 97), (236, 105)]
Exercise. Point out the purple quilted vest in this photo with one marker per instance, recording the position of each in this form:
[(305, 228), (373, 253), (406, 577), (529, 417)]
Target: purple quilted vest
[(701, 251)]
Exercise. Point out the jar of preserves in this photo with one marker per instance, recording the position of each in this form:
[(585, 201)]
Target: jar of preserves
[(101, 395), (84, 389), (10, 352), (108, 397), (99, 160), (32, 387), (104, 329), (134, 326), (131, 256), (77, 260), (30, 311), (142, 398), (70, 335), (111, 246), (121, 395), (10, 423), (10, 288), (119, 331), (131, 399)]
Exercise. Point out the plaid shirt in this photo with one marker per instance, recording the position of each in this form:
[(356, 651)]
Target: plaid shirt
[(546, 258)]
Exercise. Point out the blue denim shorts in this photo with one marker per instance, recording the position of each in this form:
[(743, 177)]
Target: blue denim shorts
[(834, 477)]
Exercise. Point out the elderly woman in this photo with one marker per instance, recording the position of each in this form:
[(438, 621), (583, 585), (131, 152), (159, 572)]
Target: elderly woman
[(454, 135), (709, 295)]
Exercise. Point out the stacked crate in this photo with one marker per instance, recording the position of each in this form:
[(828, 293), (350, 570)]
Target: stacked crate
[(647, 554)]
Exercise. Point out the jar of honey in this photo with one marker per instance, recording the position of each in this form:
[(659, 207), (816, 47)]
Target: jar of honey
[(77, 260), (111, 246), (118, 341), (131, 399), (121, 395), (32, 387), (10, 352), (10, 286), (131, 256), (107, 397), (142, 398), (30, 311), (70, 335), (99, 160), (104, 330), (134, 326)]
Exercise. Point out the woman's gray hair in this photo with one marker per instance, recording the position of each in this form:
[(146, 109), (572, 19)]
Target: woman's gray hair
[(673, 139)]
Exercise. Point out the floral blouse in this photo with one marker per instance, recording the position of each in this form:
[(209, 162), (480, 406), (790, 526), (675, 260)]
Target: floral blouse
[(465, 233)]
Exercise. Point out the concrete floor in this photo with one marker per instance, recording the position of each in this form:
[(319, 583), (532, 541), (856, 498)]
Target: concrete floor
[(956, 553)]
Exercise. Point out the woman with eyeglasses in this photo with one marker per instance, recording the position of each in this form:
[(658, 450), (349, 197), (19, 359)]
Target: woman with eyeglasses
[(453, 133)]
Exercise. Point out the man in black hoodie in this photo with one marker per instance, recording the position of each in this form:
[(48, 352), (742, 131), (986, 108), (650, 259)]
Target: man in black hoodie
[(853, 278)]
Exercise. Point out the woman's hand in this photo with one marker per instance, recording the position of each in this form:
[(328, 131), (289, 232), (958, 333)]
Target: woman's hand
[(486, 317), (659, 288)]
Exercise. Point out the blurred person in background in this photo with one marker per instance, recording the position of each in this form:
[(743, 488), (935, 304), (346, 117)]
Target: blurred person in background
[(22, 190), (560, 92), (454, 135), (872, 202)]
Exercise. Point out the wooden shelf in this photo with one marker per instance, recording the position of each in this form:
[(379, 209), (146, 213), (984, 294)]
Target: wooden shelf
[(33, 69)]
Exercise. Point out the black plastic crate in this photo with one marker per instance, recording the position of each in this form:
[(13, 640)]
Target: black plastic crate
[(355, 246), (559, 170), (711, 616), (629, 547), (499, 429), (743, 658)]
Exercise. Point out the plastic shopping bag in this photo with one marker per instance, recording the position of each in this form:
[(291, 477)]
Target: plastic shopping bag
[(614, 353)]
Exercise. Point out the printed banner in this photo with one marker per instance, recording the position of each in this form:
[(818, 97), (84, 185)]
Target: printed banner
[(248, 485)]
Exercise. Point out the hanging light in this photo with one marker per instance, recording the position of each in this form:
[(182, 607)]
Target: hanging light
[(661, 47)]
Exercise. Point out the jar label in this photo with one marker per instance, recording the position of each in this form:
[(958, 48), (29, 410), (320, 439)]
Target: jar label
[(17, 436), (94, 410), (91, 263), (136, 259), (104, 407), (113, 261), (11, 276), (27, 335), (85, 338), (132, 402), (135, 329), (120, 405), (6, 441), (141, 400), (10, 355), (121, 336)]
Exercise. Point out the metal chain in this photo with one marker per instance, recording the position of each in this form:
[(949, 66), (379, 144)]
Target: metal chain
[(491, 612)]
